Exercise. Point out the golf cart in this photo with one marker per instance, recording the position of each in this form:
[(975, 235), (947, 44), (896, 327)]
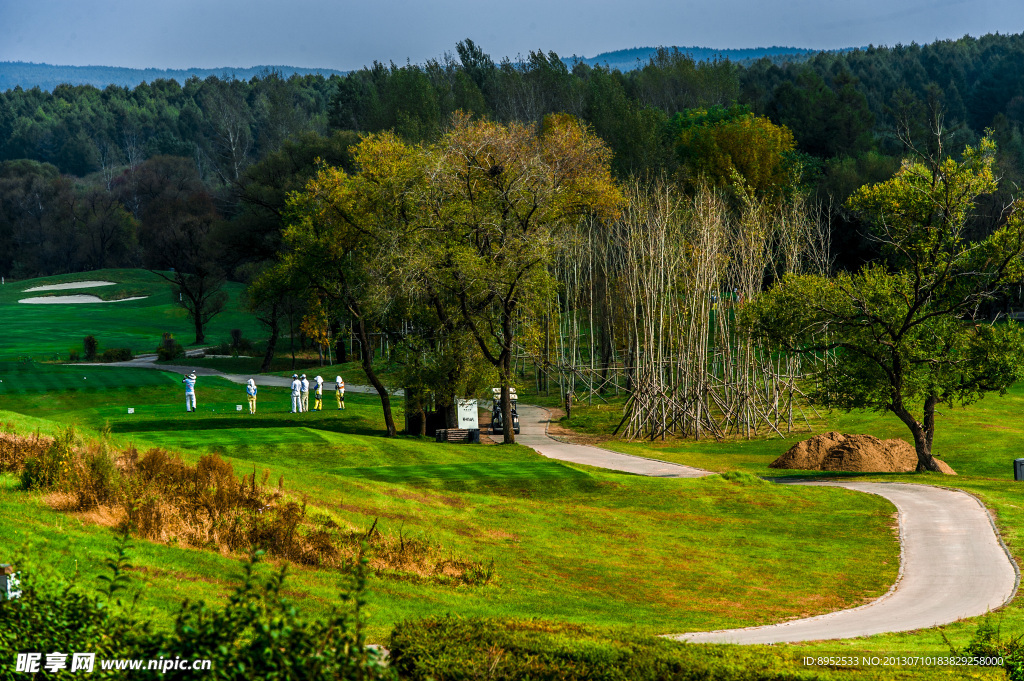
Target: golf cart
[(496, 421)]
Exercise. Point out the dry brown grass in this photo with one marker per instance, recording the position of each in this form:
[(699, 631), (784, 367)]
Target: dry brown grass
[(160, 497), (15, 449)]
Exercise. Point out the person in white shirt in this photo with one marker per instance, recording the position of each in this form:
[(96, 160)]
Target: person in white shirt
[(305, 393), (190, 391), (296, 394), (250, 390), (339, 391)]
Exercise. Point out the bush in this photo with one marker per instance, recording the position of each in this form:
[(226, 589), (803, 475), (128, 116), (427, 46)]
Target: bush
[(90, 346), (988, 642), (450, 647), (258, 634), (52, 469), (169, 349), (117, 355), (74, 355), (15, 450)]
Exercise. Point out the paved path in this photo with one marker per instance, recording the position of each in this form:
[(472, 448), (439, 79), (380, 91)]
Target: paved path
[(953, 564), (533, 423), (149, 362)]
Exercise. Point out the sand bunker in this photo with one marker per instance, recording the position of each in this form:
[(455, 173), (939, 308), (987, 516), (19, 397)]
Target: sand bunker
[(857, 453), (71, 285), (73, 300)]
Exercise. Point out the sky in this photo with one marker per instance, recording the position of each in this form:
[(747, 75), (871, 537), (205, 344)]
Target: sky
[(348, 34)]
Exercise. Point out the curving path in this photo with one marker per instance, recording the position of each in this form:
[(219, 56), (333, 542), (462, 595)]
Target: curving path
[(953, 564), (149, 362), (533, 426)]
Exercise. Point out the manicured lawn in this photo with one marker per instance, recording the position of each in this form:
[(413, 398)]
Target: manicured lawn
[(567, 542), (47, 332), (980, 442)]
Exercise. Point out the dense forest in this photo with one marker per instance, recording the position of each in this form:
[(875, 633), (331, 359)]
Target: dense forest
[(89, 177)]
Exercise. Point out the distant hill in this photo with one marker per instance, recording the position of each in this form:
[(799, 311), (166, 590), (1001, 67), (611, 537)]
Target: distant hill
[(627, 60), (48, 76)]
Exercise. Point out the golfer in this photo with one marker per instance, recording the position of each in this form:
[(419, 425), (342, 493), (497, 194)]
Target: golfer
[(190, 391), (296, 394), (339, 391), (318, 393), (305, 394), (250, 390)]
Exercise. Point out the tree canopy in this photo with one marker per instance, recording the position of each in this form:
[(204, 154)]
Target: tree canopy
[(906, 333)]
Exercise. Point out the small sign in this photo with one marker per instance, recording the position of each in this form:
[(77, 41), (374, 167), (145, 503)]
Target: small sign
[(238, 407), (131, 410), (10, 584), (467, 411)]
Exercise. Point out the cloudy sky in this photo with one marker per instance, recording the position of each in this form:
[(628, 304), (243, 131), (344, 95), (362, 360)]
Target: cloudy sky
[(347, 34)]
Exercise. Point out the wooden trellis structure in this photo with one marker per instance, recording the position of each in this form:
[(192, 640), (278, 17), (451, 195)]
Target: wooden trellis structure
[(648, 305)]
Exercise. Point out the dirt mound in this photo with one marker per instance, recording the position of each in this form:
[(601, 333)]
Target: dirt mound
[(856, 453)]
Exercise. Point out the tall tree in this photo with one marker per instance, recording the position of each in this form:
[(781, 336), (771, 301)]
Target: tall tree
[(178, 216), (499, 198), (908, 330)]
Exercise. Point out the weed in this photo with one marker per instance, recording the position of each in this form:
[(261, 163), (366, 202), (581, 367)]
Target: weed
[(160, 497)]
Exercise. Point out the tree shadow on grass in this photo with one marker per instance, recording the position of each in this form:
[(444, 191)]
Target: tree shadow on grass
[(523, 478), (188, 423)]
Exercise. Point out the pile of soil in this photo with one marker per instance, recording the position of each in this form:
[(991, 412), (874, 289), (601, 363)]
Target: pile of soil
[(856, 453)]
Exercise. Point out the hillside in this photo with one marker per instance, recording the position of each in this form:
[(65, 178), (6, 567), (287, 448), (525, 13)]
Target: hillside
[(48, 76), (637, 57)]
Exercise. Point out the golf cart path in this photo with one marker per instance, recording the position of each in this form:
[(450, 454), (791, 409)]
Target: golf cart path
[(953, 563), (533, 427), (149, 362)]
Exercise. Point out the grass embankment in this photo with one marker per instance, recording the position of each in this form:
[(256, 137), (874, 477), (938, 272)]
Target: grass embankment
[(980, 442), (567, 542), (50, 331)]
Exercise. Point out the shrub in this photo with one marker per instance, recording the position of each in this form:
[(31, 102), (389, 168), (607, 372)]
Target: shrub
[(450, 647), (14, 449), (169, 348), (988, 643), (74, 355), (90, 345), (52, 468), (258, 634), (116, 355), (160, 497)]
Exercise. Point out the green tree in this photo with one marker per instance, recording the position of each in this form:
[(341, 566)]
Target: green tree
[(906, 331), (719, 145), (498, 200)]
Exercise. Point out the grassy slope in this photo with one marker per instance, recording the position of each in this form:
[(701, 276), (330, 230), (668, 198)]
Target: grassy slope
[(46, 331), (980, 442), (567, 542)]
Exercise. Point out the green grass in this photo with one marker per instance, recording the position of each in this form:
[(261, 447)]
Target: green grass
[(46, 332), (980, 442), (567, 542)]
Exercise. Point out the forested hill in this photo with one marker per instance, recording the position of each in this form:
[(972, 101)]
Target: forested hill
[(637, 57), (47, 76), (86, 156)]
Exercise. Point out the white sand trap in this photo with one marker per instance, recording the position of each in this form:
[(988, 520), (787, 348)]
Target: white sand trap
[(73, 284), (73, 300)]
